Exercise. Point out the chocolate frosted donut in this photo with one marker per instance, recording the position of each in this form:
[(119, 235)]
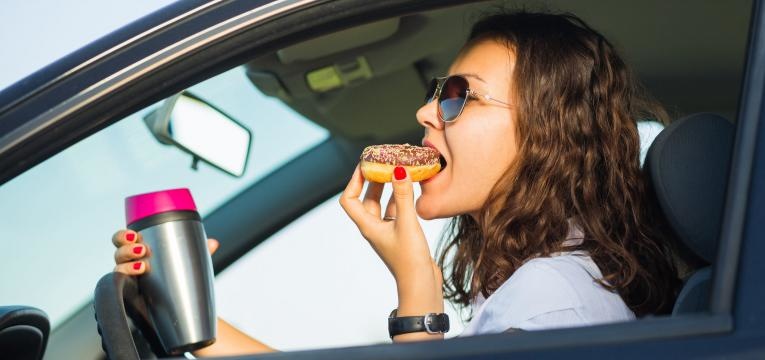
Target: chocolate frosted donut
[(378, 161)]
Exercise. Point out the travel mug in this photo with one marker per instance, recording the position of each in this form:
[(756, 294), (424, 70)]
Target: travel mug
[(178, 283)]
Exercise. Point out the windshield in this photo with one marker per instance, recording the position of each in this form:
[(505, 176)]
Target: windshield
[(57, 219)]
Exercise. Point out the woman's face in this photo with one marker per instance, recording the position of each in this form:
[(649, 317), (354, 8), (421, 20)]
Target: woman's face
[(480, 145)]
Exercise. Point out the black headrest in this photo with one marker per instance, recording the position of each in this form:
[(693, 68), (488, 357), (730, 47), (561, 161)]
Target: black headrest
[(688, 166)]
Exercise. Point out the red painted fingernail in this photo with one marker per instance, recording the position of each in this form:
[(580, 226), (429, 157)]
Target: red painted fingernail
[(130, 236), (137, 249), (399, 172), (137, 266)]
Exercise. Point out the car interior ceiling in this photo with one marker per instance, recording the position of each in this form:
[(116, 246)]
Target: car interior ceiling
[(387, 64)]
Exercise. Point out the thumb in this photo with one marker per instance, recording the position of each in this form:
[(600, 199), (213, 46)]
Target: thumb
[(404, 195)]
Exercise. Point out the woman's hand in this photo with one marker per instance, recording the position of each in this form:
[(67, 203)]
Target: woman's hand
[(399, 241), (130, 258), (131, 252)]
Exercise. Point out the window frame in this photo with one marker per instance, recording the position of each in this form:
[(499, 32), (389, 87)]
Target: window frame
[(742, 163)]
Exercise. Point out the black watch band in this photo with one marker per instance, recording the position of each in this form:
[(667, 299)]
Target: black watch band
[(431, 323)]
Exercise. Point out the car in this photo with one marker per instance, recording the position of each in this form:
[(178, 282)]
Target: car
[(313, 82)]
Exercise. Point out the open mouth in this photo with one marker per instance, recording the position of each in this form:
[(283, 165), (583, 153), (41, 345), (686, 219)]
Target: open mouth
[(441, 158)]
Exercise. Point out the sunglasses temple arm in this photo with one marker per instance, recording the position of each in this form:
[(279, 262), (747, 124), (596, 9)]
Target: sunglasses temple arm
[(486, 97)]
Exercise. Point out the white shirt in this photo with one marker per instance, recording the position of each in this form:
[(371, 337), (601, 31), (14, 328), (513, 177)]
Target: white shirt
[(549, 292)]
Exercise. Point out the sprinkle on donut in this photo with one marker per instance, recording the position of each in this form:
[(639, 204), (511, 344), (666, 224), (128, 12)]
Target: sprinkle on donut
[(398, 154)]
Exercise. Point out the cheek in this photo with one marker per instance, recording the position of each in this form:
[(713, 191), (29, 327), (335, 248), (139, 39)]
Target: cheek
[(489, 160), (479, 155), (488, 152)]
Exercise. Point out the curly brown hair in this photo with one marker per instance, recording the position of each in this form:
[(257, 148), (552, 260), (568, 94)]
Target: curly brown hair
[(577, 107)]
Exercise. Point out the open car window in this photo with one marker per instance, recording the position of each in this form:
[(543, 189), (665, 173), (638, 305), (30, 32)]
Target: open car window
[(59, 216)]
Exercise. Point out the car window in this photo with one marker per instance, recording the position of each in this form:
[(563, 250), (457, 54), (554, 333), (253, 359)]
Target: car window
[(58, 218)]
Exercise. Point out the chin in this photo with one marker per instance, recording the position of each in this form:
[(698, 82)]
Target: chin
[(426, 209), (429, 209)]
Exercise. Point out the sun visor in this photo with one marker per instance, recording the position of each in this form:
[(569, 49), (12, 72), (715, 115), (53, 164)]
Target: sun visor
[(339, 41), (339, 75)]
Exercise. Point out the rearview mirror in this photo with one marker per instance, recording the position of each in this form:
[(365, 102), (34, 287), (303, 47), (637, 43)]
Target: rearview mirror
[(198, 128)]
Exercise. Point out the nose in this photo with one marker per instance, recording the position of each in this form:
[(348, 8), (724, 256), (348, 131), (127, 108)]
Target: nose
[(427, 116)]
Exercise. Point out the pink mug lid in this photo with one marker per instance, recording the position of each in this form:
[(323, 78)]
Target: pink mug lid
[(141, 206)]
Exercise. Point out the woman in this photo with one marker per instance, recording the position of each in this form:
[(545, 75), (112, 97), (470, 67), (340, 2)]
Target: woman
[(552, 226)]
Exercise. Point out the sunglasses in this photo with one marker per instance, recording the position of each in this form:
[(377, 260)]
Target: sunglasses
[(453, 93)]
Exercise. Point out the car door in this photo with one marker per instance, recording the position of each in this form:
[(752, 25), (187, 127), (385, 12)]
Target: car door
[(195, 41)]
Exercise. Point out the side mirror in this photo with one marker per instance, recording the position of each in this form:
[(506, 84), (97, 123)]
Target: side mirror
[(198, 128)]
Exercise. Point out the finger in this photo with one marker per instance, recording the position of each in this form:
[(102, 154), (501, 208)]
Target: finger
[(403, 192), (372, 198), (390, 209), (212, 245), (124, 237), (350, 202), (131, 252), (353, 189), (131, 268)]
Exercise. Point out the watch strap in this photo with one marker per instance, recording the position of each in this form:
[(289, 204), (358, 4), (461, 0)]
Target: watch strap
[(430, 323)]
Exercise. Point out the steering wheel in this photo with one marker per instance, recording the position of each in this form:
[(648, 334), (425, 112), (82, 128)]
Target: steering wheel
[(117, 298)]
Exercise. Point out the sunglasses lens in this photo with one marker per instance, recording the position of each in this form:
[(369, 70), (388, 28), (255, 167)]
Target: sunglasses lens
[(452, 98)]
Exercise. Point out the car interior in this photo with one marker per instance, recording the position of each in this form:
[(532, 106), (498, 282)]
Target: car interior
[(364, 83), (396, 58)]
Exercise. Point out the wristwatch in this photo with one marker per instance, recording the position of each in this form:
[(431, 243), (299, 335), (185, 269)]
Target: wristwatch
[(431, 323)]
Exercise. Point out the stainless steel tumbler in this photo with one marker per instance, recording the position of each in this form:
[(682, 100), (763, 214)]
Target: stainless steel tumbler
[(178, 284)]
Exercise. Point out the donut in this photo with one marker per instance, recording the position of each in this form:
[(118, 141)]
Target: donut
[(378, 162)]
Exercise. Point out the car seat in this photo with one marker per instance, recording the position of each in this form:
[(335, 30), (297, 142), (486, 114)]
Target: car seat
[(23, 332), (688, 165)]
